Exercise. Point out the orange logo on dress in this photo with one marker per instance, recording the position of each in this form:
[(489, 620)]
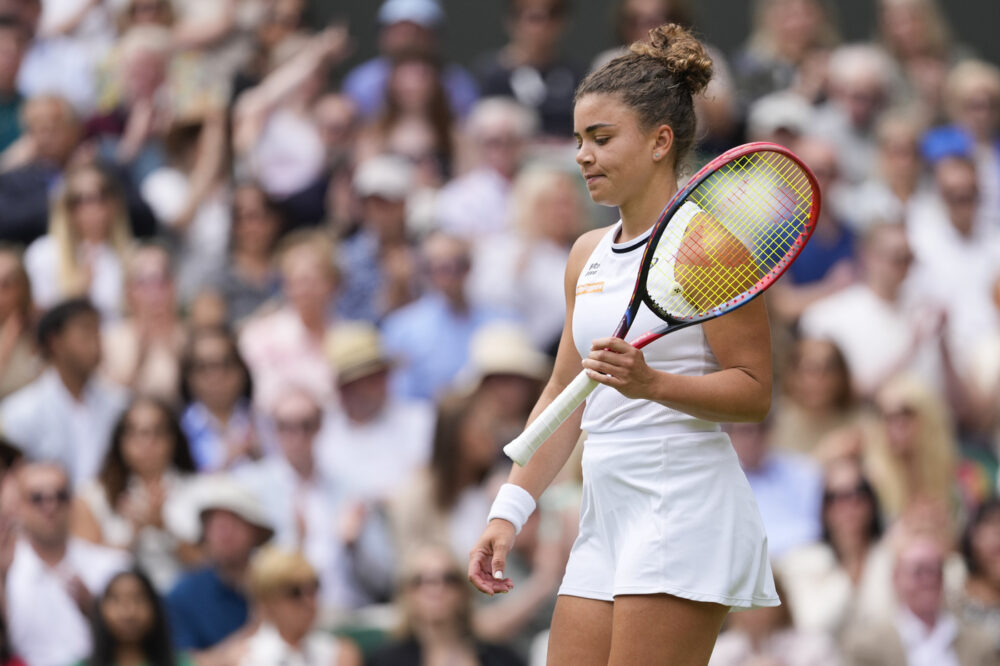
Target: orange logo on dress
[(590, 288)]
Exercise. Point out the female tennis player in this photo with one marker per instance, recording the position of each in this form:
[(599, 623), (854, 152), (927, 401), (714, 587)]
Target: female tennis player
[(670, 536)]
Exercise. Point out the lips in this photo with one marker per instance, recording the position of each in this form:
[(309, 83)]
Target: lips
[(592, 177)]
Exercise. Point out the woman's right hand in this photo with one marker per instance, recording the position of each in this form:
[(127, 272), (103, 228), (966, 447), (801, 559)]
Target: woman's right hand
[(490, 556)]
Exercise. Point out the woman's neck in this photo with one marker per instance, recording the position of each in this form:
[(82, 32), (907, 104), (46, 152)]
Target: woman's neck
[(438, 633), (983, 591), (641, 213), (130, 655), (852, 553)]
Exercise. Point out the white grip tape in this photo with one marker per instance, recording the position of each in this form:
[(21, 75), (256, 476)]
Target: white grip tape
[(524, 446)]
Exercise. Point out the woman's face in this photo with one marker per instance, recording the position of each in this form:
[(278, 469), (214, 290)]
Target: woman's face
[(978, 109), (147, 443), (127, 610), (558, 211), (849, 510), (986, 548), (434, 589), (902, 426), (478, 434), (255, 228), (215, 375), (151, 286), (413, 84), (641, 16), (816, 379), (614, 154), (306, 279), (91, 206), (293, 608)]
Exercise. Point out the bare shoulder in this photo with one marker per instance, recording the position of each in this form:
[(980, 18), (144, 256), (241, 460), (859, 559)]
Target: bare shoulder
[(582, 249)]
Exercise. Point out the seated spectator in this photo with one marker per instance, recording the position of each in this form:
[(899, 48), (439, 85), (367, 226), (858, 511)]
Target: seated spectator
[(769, 635), (475, 204), (286, 346), (449, 501), (210, 603), (816, 397), (217, 391), (911, 457), (20, 362), (923, 631), (979, 602), (129, 625), (14, 38), (549, 211), (285, 591), (142, 351), (437, 615), (248, 278), (787, 487), (430, 337), (530, 67), (54, 576), (84, 251), (68, 413), (846, 574), (147, 464)]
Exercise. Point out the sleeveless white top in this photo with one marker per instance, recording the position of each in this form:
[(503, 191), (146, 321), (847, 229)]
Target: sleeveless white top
[(603, 291)]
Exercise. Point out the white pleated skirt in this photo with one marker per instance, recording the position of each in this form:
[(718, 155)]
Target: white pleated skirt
[(668, 514)]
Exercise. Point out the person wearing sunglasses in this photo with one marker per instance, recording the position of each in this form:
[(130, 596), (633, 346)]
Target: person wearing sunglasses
[(285, 592), (54, 576)]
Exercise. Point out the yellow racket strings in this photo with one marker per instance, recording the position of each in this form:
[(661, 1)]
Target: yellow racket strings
[(749, 216)]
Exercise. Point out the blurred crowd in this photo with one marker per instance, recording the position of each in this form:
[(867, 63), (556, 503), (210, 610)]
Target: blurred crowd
[(266, 320)]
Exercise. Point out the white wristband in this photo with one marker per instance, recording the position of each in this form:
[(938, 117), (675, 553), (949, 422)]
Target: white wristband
[(514, 504)]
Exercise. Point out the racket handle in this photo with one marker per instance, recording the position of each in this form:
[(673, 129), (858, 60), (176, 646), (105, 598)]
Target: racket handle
[(524, 446)]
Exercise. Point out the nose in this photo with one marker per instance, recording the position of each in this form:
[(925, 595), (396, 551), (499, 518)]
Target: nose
[(583, 155)]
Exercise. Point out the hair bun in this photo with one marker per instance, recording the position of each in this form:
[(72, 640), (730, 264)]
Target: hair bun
[(681, 53)]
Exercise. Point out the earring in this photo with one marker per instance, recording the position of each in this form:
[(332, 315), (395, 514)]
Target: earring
[(656, 156)]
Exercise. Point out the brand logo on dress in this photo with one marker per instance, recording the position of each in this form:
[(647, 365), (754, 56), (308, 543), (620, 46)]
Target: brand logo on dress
[(592, 269)]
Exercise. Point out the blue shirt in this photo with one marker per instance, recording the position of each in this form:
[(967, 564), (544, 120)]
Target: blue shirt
[(366, 84), (203, 610), (431, 343), (789, 493), (820, 254)]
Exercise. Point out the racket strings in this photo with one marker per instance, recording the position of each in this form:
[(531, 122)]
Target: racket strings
[(750, 216)]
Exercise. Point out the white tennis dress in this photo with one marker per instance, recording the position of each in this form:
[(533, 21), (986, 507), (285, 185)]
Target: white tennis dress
[(666, 507)]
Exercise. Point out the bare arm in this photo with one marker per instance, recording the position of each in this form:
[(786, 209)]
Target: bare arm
[(196, 34), (739, 391)]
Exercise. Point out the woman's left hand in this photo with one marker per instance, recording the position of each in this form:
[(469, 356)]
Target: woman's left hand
[(615, 363)]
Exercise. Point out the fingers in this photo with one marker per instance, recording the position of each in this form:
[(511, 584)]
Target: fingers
[(481, 574)]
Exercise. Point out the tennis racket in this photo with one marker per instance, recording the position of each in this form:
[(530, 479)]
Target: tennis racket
[(723, 239)]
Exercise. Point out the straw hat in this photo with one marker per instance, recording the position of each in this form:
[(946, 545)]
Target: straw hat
[(354, 349), (503, 348), (186, 512)]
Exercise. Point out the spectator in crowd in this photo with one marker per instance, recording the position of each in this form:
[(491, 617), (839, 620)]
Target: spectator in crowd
[(475, 205), (846, 573), (210, 603), (770, 635), (979, 602), (923, 631), (83, 253), (145, 12), (302, 501), (285, 346), (19, 359), (883, 324), (248, 278), (379, 257), (787, 35), (374, 442), (14, 39), (549, 211), (816, 397), (143, 350), (68, 413), (911, 457), (407, 26), (54, 576), (437, 615), (787, 487), (189, 199), (860, 88), (827, 263), (129, 625), (430, 337), (217, 391), (285, 591), (148, 463), (449, 501), (280, 30), (530, 67)]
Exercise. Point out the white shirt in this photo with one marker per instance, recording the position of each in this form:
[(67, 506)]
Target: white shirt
[(923, 647), (41, 261), (474, 205), (47, 423), (45, 624), (371, 461), (266, 647)]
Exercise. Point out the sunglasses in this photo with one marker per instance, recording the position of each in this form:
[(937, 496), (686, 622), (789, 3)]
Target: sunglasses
[(852, 494), (213, 364), (60, 497), (300, 591), (300, 426), (448, 579)]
